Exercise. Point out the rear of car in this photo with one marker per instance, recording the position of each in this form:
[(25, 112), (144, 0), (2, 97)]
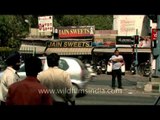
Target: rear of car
[(80, 76), (78, 72)]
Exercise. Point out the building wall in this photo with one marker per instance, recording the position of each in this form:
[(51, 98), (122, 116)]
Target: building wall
[(107, 37), (153, 24), (127, 25), (36, 33)]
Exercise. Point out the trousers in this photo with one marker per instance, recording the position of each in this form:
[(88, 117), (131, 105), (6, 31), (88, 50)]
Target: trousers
[(117, 74)]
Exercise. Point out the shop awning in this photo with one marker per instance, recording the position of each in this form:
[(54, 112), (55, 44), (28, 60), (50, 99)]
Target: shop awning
[(122, 50), (31, 49), (70, 51), (61, 51)]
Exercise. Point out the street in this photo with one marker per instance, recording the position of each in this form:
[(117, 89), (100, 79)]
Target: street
[(99, 92)]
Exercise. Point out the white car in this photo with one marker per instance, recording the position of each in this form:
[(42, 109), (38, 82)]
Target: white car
[(77, 70)]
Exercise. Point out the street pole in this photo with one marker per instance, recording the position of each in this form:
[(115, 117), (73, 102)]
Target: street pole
[(29, 25), (34, 51), (136, 54), (157, 71)]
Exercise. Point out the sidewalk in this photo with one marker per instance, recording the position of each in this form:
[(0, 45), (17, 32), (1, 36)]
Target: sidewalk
[(132, 84), (133, 91)]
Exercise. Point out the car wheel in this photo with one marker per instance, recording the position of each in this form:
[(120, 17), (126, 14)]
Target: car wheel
[(78, 92), (75, 90)]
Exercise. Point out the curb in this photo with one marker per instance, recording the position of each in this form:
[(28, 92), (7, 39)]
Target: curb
[(153, 87)]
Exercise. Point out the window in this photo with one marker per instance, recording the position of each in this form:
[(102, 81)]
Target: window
[(22, 68), (63, 64)]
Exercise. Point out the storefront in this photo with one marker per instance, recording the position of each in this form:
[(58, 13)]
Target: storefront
[(126, 47), (73, 41), (72, 48), (106, 53)]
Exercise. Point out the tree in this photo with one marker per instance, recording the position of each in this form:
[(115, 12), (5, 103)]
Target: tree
[(12, 27), (100, 21)]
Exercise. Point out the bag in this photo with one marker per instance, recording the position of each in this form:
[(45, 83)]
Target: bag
[(109, 68), (123, 69)]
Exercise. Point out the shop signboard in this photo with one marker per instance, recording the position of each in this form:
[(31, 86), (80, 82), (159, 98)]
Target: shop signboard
[(45, 24), (76, 31)]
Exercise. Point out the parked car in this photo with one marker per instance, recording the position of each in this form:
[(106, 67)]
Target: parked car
[(77, 70)]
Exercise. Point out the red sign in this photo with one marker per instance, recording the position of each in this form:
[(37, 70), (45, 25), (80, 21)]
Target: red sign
[(81, 31), (154, 34)]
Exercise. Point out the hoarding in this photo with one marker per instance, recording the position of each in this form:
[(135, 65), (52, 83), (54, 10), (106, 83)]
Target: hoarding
[(45, 24), (128, 41), (154, 34), (125, 40), (76, 31), (69, 44)]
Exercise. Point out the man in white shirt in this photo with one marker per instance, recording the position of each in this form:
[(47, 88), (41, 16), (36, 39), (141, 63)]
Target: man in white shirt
[(57, 80), (10, 75), (117, 62)]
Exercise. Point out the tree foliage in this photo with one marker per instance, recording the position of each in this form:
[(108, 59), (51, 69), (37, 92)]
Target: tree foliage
[(13, 27), (101, 22)]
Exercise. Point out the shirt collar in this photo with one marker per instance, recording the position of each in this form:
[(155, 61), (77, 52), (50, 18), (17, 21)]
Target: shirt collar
[(10, 68), (54, 67), (31, 78)]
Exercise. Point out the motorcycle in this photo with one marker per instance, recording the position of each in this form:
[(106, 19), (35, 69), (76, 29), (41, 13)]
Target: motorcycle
[(99, 69), (91, 70), (147, 70), (133, 68), (104, 68)]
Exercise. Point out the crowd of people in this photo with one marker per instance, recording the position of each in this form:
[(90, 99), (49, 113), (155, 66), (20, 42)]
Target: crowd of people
[(14, 91)]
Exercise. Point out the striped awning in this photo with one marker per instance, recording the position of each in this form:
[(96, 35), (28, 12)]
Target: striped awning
[(30, 49), (122, 50), (61, 51), (70, 51)]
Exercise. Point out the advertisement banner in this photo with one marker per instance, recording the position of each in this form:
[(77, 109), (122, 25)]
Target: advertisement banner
[(45, 24), (128, 41), (76, 31), (145, 43), (69, 44), (154, 34), (127, 26), (124, 40)]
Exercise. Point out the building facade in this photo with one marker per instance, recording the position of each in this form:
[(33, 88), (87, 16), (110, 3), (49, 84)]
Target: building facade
[(89, 44), (126, 25)]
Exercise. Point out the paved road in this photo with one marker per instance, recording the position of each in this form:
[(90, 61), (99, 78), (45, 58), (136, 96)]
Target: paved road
[(99, 92), (116, 100)]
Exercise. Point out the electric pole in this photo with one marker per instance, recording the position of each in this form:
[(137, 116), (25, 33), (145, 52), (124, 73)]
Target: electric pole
[(137, 51), (157, 71)]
